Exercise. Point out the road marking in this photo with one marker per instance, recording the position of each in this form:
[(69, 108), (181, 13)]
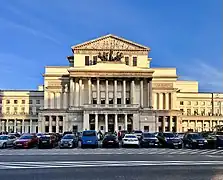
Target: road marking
[(83, 164)]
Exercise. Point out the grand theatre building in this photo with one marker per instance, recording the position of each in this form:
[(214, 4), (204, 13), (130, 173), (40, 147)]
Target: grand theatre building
[(110, 86)]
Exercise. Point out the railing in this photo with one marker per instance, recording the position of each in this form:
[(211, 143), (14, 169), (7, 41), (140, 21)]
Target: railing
[(111, 106)]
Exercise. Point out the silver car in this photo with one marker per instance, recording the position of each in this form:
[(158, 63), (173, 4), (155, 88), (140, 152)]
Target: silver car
[(69, 141), (7, 140)]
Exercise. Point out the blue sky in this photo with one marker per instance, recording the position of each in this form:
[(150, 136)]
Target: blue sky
[(183, 34)]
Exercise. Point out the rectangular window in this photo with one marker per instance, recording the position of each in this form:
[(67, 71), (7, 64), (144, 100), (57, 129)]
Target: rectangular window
[(94, 101), (30, 101), (87, 61), (23, 101), (146, 128), (0, 101), (102, 101), (7, 110), (127, 60), (7, 101), (0, 110), (23, 110), (15, 110), (134, 61), (119, 101), (188, 112), (95, 60), (181, 103), (37, 101), (110, 101), (15, 101), (195, 112)]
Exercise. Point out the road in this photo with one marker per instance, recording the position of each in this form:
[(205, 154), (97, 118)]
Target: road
[(111, 164)]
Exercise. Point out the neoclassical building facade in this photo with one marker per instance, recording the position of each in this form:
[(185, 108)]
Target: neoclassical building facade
[(110, 86)]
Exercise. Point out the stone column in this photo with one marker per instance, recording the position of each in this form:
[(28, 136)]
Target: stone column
[(98, 91), (72, 92), (106, 122), (23, 126), (124, 91), (86, 122), (89, 91), (15, 124), (173, 100), (115, 91), (7, 125), (106, 92), (150, 93), (161, 101), (126, 122), (155, 101), (171, 124), (31, 125), (141, 92), (57, 124), (164, 124), (132, 92), (167, 101), (42, 126), (3, 125), (96, 122), (50, 124), (46, 100), (58, 100), (116, 122), (65, 100), (77, 89), (52, 102), (80, 92), (64, 123)]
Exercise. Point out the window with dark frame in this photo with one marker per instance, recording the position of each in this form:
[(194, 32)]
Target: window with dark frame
[(87, 60), (127, 60), (95, 60), (134, 61)]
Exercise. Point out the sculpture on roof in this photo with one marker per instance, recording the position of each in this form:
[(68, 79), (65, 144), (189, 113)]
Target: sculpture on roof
[(108, 56)]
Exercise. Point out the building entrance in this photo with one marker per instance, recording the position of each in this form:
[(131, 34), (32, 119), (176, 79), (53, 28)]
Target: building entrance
[(111, 128)]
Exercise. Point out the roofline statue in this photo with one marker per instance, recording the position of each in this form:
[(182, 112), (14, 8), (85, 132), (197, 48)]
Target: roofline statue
[(108, 56)]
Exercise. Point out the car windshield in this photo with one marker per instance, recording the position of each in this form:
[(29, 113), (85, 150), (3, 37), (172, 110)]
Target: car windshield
[(89, 133), (130, 136), (137, 131), (3, 137), (148, 135), (169, 135), (68, 137), (110, 137), (196, 136), (26, 137)]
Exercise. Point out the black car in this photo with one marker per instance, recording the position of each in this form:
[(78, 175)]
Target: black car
[(194, 140), (47, 141), (214, 139), (169, 139), (110, 140), (149, 140)]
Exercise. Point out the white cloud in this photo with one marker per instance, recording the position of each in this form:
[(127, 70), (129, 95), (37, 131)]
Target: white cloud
[(208, 76)]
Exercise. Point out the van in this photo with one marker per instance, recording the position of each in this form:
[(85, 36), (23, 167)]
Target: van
[(89, 138)]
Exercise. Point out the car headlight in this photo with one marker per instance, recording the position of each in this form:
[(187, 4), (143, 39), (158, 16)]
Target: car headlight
[(205, 141)]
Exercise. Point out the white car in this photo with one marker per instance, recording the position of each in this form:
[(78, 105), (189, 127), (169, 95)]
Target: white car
[(130, 140), (6, 141)]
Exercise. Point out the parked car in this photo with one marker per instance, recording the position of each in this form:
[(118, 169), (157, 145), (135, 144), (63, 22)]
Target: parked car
[(194, 140), (170, 140), (89, 138), (6, 141), (39, 135), (47, 141), (110, 140), (130, 140), (67, 132), (214, 139), (26, 141), (180, 135), (69, 141), (138, 134), (17, 135), (149, 140)]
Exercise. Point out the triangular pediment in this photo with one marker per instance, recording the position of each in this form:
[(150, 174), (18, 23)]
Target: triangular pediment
[(109, 42)]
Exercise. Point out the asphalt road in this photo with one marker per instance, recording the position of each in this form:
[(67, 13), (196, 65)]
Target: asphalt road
[(133, 164)]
